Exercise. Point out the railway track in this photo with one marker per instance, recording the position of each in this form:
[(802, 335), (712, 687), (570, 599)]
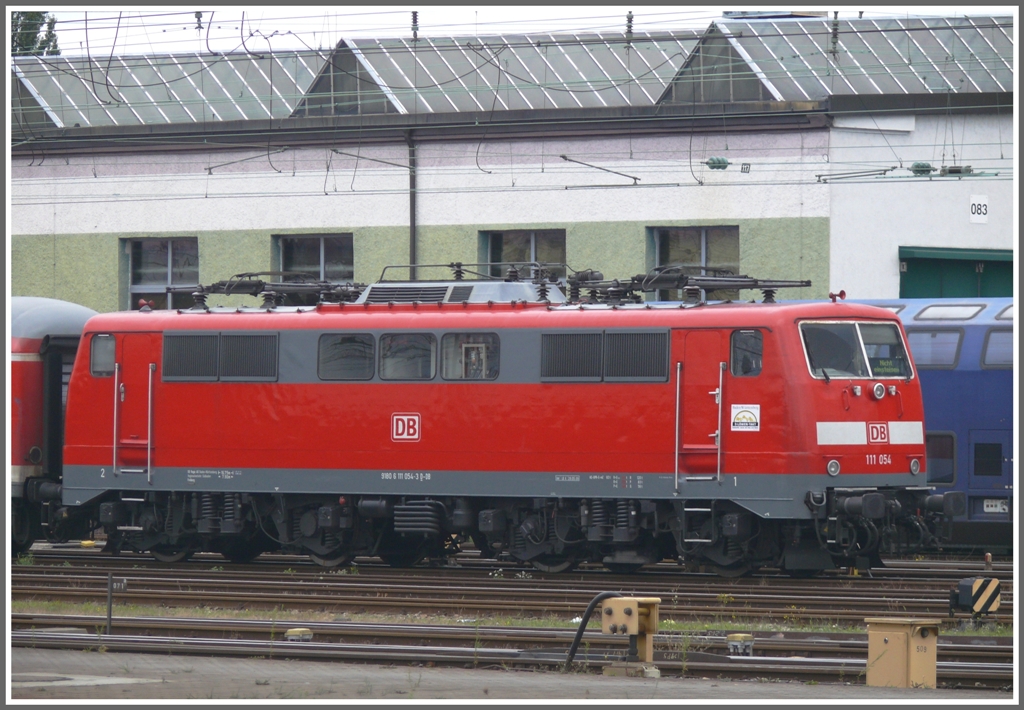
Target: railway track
[(469, 590), (984, 661)]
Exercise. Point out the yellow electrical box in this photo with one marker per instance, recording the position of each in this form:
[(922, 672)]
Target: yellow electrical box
[(902, 652), (633, 616)]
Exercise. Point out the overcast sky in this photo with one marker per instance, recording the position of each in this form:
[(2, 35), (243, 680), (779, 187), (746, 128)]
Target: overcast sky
[(155, 30)]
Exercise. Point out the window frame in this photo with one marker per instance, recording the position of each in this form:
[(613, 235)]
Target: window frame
[(92, 351), (984, 349), (863, 351), (322, 276), (457, 333), (150, 288), (491, 234), (732, 345), (956, 468), (433, 356), (703, 266), (959, 346), (373, 356)]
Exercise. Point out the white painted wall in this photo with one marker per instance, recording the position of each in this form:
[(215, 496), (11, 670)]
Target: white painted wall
[(871, 217), (497, 182)]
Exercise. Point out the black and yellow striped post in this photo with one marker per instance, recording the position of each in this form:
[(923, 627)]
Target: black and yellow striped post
[(978, 595)]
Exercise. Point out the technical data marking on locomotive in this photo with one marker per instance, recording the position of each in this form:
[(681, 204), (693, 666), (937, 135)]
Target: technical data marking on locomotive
[(746, 417), (194, 474), (405, 426), (563, 478), (404, 476)]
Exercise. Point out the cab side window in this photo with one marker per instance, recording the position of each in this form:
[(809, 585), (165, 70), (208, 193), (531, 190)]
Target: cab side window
[(101, 355), (746, 352)]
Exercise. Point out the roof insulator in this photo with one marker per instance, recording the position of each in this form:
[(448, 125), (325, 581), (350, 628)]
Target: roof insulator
[(717, 163), (922, 168)]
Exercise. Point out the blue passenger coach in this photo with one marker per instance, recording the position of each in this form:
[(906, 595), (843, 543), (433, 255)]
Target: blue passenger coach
[(963, 350)]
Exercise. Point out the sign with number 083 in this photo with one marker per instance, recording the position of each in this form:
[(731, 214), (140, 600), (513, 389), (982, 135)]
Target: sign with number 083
[(979, 209)]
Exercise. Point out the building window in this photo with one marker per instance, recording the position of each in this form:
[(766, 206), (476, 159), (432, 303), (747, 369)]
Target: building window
[(521, 247), (699, 251), (159, 263), (315, 257)]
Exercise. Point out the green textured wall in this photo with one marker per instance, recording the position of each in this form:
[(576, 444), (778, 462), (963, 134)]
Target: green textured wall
[(93, 269)]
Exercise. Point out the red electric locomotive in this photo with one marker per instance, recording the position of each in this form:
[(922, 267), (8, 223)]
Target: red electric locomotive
[(419, 415), (44, 338)]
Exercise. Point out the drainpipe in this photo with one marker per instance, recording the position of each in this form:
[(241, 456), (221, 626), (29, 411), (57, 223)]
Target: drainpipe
[(412, 205)]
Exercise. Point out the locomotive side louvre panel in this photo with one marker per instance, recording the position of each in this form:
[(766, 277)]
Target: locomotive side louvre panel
[(571, 356), (248, 357), (191, 357), (101, 355), (226, 357), (639, 357)]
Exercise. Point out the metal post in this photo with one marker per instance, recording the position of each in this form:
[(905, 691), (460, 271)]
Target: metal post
[(117, 396), (718, 434), (679, 377), (149, 428), (110, 598)]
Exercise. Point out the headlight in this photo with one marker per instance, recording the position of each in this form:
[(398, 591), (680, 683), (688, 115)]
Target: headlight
[(878, 390), (833, 468), (915, 466)]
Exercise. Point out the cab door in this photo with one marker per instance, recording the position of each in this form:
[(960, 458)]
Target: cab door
[(137, 363), (703, 357)]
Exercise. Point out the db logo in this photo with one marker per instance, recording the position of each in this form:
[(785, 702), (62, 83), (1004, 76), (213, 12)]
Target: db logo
[(878, 433), (405, 427)]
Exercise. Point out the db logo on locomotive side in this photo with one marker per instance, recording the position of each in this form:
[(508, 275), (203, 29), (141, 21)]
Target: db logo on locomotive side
[(405, 427), (878, 433)]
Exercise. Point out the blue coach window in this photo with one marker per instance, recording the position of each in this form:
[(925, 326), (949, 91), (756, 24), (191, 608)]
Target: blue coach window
[(935, 348), (998, 349)]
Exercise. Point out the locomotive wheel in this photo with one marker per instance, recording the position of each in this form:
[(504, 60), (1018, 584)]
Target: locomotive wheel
[(623, 567), (554, 563), (171, 554), (337, 558)]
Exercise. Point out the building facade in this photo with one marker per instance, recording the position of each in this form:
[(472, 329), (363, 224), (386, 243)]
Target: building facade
[(853, 154)]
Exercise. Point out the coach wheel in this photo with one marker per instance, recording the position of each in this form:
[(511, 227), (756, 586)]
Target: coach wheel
[(553, 563), (623, 567), (336, 558), (21, 530), (170, 553)]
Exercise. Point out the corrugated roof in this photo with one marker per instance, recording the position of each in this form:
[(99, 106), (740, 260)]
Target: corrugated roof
[(177, 88), (799, 60), (509, 72)]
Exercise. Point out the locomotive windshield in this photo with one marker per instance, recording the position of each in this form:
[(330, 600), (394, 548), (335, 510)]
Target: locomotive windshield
[(855, 350)]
